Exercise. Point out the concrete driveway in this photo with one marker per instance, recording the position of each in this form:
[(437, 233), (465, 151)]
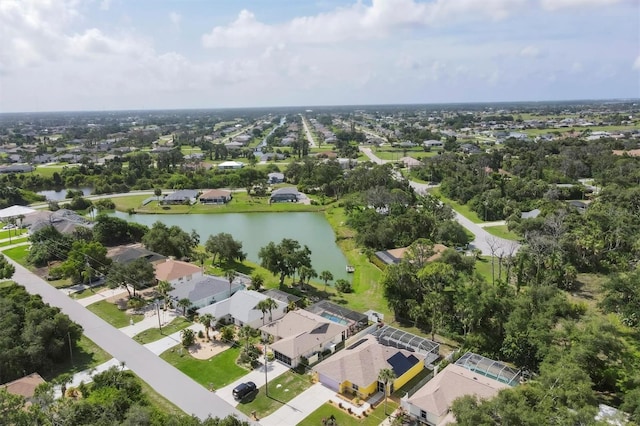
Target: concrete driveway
[(299, 407), (274, 369)]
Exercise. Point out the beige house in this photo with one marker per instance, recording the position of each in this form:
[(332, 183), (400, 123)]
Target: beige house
[(24, 386), (303, 334), (176, 271), (431, 404)]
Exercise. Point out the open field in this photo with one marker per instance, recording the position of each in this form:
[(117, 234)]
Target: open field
[(217, 371), (48, 171), (395, 154), (282, 389)]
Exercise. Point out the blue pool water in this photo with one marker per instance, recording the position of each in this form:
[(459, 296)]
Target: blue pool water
[(334, 318)]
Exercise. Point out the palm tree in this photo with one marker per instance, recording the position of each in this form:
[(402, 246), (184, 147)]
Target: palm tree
[(262, 305), (245, 334), (386, 376), (206, 320), (231, 275), (185, 304), (164, 287), (270, 305), (188, 337), (257, 281), (326, 276)]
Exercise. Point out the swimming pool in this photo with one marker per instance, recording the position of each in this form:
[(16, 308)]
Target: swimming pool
[(334, 318)]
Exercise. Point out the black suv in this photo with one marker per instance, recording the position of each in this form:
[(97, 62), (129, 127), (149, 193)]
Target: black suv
[(243, 389)]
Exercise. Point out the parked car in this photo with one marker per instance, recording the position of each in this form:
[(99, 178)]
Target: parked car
[(243, 390), (9, 226)]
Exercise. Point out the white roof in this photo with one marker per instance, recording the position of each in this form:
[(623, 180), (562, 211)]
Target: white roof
[(15, 211), (240, 306), (231, 164)]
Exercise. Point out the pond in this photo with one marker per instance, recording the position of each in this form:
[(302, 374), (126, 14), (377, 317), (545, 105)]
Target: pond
[(60, 194), (256, 230)]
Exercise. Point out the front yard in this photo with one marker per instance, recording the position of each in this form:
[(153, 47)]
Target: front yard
[(112, 314), (281, 390), (153, 334), (344, 419), (217, 371)]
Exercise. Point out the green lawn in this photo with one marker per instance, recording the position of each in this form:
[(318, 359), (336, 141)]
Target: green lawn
[(463, 209), (345, 419), (48, 171), (11, 233), (157, 400), (395, 154), (483, 267), (217, 371), (14, 240), (110, 313), (82, 294), (19, 254), (292, 385), (502, 231), (85, 356), (153, 334)]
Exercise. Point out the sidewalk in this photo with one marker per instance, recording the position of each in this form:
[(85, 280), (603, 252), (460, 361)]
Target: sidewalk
[(150, 320), (299, 407), (86, 376), (98, 297), (166, 343)]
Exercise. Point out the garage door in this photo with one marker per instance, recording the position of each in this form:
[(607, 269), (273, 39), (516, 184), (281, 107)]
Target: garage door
[(329, 382)]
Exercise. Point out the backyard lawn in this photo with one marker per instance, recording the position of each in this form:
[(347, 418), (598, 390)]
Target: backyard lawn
[(343, 419), (153, 334), (217, 371), (291, 385), (502, 231), (112, 314)]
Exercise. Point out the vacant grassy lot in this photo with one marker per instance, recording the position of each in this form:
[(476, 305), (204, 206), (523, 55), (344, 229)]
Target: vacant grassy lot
[(112, 314), (217, 371), (502, 231), (153, 334), (291, 385), (48, 171), (343, 419), (395, 154), (157, 400)]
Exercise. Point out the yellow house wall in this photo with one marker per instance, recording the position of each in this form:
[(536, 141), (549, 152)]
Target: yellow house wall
[(408, 375)]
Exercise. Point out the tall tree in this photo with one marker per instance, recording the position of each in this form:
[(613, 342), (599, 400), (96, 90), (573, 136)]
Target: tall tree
[(387, 377), (170, 241), (6, 269), (207, 320), (326, 276), (285, 258), (224, 247), (230, 275)]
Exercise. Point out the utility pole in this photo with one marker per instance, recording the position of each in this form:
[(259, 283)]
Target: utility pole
[(158, 313), (266, 380), (70, 347)]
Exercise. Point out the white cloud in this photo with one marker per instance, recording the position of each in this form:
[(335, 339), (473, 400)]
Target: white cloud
[(357, 22), (636, 64), (530, 51), (175, 18), (105, 5), (563, 4)]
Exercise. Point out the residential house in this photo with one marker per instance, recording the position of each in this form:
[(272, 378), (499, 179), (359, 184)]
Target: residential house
[(303, 334), (272, 156), (182, 196), (205, 290), (432, 143), (288, 194), (230, 165), (240, 309), (410, 162), (283, 296), (471, 375), (64, 220), (127, 254), (17, 168), (580, 205), (356, 368), (215, 196), (24, 386), (176, 271), (275, 177), (530, 214)]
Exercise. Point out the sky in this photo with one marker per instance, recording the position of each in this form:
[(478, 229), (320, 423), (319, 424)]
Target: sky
[(74, 55)]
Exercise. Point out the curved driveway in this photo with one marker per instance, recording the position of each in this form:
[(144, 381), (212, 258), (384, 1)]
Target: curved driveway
[(165, 379)]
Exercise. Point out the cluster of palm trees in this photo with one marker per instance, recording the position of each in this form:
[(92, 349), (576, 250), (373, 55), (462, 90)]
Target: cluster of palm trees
[(266, 305)]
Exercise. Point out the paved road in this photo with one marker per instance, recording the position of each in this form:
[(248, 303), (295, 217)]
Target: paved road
[(487, 243), (168, 381), (305, 124)]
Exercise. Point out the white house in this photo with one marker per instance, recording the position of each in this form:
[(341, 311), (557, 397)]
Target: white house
[(230, 165), (240, 309), (205, 290)]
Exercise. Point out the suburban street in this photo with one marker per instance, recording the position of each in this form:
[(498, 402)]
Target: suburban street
[(488, 244), (305, 124), (168, 381)]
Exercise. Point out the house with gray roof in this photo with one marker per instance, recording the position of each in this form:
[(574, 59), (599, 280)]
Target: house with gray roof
[(182, 196), (240, 309), (205, 290), (288, 194)]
